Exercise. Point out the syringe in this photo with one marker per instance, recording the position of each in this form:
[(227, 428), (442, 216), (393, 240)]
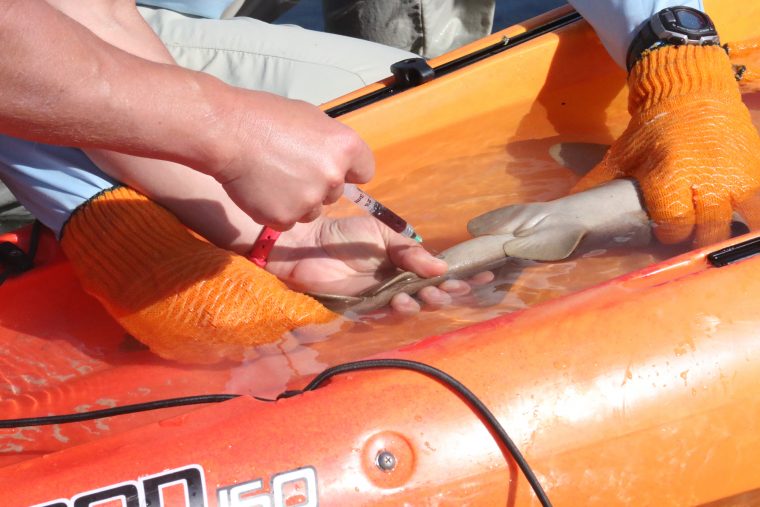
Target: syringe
[(377, 210)]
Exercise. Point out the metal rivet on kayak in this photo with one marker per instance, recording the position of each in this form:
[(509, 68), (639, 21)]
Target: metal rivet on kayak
[(388, 459), (385, 461)]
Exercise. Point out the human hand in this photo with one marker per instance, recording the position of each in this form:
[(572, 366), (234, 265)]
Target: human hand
[(346, 256), (290, 159), (185, 298), (690, 144)]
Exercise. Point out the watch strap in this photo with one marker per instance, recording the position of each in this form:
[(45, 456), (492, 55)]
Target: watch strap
[(645, 39)]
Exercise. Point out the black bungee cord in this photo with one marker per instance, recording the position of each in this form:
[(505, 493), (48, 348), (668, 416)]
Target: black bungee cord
[(370, 364)]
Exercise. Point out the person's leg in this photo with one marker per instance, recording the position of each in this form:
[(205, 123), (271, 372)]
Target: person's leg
[(198, 200), (299, 70), (427, 27), (281, 59)]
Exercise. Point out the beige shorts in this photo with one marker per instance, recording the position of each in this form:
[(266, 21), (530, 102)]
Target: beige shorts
[(282, 59)]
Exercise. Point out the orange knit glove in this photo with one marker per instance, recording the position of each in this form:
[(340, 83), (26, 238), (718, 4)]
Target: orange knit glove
[(690, 144), (185, 298)]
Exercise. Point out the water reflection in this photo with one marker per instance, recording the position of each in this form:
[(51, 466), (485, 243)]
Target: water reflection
[(494, 176)]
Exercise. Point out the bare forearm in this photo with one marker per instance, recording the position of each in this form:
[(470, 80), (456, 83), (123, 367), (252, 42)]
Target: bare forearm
[(278, 160), (70, 87), (196, 199)]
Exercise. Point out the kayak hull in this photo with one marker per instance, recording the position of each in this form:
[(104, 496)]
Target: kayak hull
[(641, 390), (656, 406)]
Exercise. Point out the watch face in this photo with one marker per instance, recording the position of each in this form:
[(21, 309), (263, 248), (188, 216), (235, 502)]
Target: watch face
[(690, 20), (672, 26)]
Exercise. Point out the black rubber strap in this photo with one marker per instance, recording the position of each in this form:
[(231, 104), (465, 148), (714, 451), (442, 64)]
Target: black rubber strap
[(489, 420)]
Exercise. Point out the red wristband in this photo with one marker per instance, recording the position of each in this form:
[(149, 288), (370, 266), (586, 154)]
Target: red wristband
[(263, 245)]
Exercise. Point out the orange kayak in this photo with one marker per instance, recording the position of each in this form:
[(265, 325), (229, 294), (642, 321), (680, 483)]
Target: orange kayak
[(622, 376)]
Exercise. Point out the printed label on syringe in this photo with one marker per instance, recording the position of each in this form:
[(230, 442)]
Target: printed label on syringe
[(377, 210), (366, 202)]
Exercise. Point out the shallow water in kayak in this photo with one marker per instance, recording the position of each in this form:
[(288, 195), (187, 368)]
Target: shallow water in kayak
[(75, 358), (439, 199)]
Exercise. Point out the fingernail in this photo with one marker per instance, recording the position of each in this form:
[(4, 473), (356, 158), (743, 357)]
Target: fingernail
[(440, 262), (454, 285), (403, 298)]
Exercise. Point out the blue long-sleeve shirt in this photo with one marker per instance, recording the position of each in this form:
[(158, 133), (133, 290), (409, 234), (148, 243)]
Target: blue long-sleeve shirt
[(616, 22), (202, 8)]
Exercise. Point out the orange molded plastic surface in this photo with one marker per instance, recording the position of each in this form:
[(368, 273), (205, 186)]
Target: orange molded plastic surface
[(638, 391), (630, 392)]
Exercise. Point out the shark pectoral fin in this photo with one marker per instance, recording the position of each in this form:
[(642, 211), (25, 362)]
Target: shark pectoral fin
[(508, 219), (552, 244)]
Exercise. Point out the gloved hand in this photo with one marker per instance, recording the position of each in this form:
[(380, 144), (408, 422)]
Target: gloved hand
[(690, 144), (185, 298)]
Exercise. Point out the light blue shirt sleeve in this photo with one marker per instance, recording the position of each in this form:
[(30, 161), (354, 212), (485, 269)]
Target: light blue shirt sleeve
[(50, 181), (202, 8), (616, 22)]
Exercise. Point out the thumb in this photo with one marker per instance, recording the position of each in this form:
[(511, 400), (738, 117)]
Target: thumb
[(409, 255), (671, 209)]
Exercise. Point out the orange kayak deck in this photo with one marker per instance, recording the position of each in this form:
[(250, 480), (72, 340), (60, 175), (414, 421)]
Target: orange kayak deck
[(624, 377)]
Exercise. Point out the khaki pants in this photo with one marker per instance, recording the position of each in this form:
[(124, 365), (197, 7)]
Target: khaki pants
[(282, 59), (286, 60), (303, 64)]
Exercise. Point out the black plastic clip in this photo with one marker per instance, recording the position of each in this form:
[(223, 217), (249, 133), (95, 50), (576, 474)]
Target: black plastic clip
[(734, 253), (412, 72), (14, 259)]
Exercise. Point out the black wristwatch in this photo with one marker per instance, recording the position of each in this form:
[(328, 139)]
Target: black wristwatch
[(673, 26)]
